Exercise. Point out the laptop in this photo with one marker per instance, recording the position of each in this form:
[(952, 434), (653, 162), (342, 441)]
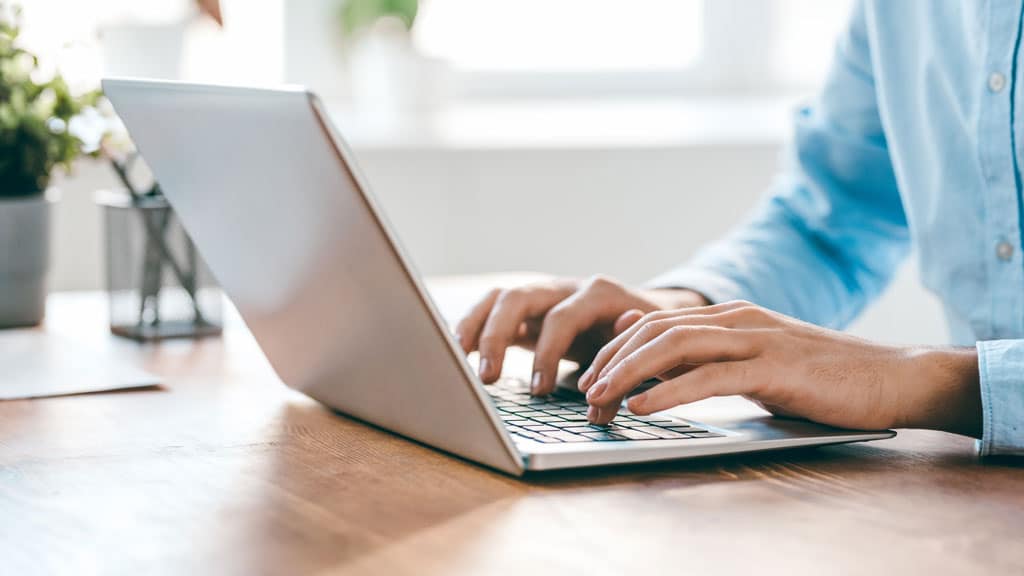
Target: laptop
[(271, 196)]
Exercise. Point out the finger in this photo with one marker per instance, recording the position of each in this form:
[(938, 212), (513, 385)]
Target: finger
[(610, 350), (468, 329), (511, 309), (625, 320), (562, 324), (651, 330), (587, 379), (678, 345), (725, 379), (601, 416)]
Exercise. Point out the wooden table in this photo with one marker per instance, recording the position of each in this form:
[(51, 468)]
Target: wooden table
[(226, 471)]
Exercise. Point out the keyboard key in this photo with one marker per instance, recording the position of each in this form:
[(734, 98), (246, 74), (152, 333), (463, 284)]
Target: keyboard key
[(583, 429), (568, 436), (575, 417), (627, 423), (662, 433), (604, 436), (562, 418), (635, 434), (547, 418), (655, 420)]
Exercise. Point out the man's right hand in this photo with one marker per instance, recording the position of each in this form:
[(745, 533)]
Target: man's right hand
[(558, 318)]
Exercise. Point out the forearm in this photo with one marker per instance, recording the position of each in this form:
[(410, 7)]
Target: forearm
[(939, 389)]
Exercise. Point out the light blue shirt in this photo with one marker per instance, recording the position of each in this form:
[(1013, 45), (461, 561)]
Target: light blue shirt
[(914, 140)]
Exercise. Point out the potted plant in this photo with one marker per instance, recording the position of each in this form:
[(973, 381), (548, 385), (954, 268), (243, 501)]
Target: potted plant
[(36, 138), (392, 86), (359, 15)]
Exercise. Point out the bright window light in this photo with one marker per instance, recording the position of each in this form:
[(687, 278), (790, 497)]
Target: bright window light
[(562, 35), (807, 32)]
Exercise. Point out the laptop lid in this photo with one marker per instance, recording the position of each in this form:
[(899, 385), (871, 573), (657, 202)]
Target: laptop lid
[(270, 195)]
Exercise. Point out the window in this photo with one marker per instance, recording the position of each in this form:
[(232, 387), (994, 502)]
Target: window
[(86, 40), (806, 31), (583, 48), (562, 35)]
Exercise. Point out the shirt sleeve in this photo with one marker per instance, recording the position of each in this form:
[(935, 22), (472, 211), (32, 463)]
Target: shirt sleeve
[(1001, 368), (831, 231)]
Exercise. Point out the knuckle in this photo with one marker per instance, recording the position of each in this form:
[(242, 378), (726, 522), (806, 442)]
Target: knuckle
[(600, 283), (680, 333), (616, 381), (509, 297), (620, 382), (746, 313), (648, 330), (653, 329), (655, 316)]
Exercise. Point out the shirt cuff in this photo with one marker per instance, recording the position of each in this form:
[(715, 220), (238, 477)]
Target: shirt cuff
[(712, 285), (1001, 370)]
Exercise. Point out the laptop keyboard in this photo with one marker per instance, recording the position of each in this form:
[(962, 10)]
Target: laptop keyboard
[(562, 417)]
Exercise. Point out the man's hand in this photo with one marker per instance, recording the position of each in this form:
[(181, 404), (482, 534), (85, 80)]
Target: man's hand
[(789, 367), (561, 318)]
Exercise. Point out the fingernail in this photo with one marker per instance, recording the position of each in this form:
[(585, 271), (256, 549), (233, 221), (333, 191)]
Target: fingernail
[(584, 381), (594, 394), (535, 384), (591, 414), (485, 367)]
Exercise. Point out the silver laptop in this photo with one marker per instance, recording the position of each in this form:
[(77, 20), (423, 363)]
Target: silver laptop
[(271, 195)]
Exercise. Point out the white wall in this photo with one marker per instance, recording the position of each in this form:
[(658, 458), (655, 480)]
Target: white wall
[(628, 212)]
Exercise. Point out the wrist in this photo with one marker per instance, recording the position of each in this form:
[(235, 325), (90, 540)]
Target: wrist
[(940, 390)]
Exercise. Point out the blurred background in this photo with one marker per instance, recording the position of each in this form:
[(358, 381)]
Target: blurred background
[(562, 136)]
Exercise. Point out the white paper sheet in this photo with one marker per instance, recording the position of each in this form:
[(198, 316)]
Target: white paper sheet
[(35, 364)]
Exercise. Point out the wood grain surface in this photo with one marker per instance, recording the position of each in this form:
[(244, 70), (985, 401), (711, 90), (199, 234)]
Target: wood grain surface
[(223, 470)]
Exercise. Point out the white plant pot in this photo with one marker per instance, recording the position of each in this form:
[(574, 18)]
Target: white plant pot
[(24, 259), (393, 87)]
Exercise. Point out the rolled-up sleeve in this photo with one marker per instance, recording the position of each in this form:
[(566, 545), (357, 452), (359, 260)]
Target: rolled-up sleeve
[(1001, 369), (829, 234)]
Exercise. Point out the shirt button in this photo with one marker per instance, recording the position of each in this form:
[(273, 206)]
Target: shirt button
[(1004, 250), (996, 82)]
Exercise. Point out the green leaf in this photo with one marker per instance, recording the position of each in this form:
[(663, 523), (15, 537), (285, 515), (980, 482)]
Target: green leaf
[(358, 15), (34, 139)]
